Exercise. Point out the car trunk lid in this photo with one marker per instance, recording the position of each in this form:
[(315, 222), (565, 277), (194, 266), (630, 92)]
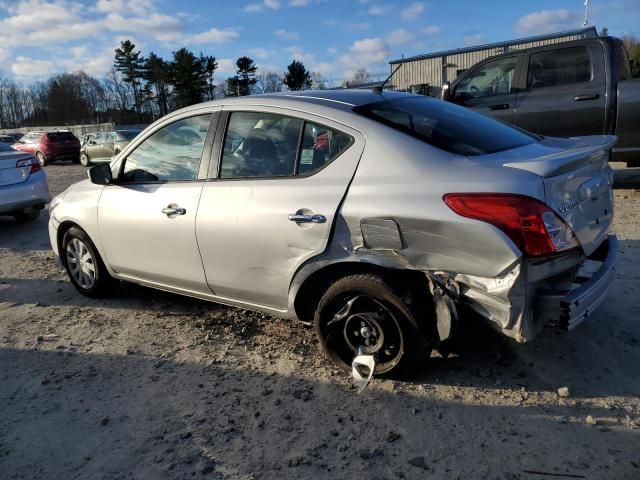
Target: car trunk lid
[(9, 174), (578, 182)]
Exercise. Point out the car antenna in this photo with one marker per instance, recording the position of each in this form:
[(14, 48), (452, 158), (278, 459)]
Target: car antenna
[(380, 88)]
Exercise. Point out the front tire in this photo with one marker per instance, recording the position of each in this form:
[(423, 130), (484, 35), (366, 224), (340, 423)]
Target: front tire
[(365, 311), (84, 266), (85, 160)]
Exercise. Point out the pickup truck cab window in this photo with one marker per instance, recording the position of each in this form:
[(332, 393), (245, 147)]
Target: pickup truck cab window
[(170, 154), (559, 67), (493, 78)]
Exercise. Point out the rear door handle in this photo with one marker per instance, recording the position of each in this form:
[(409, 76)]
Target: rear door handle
[(588, 96), (300, 218), (172, 209), (502, 106)]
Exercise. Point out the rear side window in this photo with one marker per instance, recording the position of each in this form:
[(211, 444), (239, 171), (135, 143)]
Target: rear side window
[(559, 67), (60, 136), (447, 126), (320, 146)]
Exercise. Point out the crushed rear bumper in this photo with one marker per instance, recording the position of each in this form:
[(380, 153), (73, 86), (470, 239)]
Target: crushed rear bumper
[(578, 304)]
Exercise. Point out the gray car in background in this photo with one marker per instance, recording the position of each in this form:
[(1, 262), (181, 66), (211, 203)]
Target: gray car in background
[(23, 185), (374, 216), (102, 146)]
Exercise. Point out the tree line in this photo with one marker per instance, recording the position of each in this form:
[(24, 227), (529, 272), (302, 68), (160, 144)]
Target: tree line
[(139, 89)]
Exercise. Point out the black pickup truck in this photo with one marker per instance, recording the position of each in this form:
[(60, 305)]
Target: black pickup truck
[(583, 87)]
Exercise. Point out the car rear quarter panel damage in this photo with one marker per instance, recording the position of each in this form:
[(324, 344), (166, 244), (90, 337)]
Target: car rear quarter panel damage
[(394, 217)]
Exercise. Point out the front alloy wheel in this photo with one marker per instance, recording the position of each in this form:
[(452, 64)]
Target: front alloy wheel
[(41, 158), (84, 159), (84, 265)]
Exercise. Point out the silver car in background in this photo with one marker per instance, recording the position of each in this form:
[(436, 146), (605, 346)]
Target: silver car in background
[(375, 216), (24, 190)]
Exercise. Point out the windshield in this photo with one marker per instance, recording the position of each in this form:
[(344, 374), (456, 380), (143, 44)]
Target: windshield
[(56, 136), (447, 126)]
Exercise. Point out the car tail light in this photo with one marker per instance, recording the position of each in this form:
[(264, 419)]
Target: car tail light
[(532, 225), (35, 164)]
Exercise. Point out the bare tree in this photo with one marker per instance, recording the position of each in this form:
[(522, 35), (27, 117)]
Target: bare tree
[(318, 82), (119, 91), (360, 77), (269, 82)]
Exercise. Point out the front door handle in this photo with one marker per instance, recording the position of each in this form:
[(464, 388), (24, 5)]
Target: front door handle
[(301, 218), (172, 209), (502, 106), (589, 96)]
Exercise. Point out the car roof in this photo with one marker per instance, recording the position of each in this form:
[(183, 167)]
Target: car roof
[(343, 99)]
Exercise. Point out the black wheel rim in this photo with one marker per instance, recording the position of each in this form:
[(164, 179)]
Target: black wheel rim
[(357, 322)]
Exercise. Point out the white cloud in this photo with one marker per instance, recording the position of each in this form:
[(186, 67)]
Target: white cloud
[(111, 6), (472, 39), (399, 37), (547, 21), (378, 10), (227, 66), (286, 34), (369, 53), (413, 11), (213, 36), (29, 67), (347, 25), (259, 7), (260, 53), (431, 30), (299, 3)]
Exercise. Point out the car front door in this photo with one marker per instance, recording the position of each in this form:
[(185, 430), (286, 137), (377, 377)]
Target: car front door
[(564, 93), (272, 201), (490, 88), (147, 218)]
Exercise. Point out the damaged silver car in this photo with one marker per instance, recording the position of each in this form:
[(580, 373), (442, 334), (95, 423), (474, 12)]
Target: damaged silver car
[(374, 216)]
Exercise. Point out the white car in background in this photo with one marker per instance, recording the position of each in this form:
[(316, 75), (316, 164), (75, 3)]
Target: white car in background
[(24, 190)]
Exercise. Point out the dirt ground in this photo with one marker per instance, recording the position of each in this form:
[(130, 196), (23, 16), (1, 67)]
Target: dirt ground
[(153, 385)]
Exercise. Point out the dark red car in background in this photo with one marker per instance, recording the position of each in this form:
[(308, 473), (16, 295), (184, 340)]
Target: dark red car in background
[(50, 147)]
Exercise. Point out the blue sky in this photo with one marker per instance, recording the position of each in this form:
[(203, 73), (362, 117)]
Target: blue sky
[(333, 37)]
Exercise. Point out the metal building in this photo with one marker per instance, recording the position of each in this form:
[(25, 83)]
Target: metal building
[(434, 69)]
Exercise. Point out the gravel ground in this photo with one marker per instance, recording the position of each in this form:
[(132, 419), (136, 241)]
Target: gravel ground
[(153, 385)]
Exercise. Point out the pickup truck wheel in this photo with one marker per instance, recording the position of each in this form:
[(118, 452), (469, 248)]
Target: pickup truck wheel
[(364, 312), (84, 266), (41, 158)]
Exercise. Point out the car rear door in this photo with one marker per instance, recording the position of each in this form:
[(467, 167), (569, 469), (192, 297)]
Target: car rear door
[(565, 91), (147, 218), (272, 200)]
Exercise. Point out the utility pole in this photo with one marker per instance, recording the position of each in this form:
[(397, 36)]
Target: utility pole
[(586, 13)]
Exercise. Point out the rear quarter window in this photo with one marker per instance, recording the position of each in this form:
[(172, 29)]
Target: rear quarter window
[(447, 126)]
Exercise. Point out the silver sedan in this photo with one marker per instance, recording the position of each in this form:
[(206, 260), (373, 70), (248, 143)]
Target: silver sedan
[(373, 215), (24, 190)]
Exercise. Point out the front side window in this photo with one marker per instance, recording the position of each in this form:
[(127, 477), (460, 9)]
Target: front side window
[(493, 78), (170, 154), (559, 67), (447, 126), (260, 145), (320, 146)]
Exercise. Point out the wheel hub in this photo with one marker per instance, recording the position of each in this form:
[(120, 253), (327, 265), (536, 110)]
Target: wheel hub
[(364, 330)]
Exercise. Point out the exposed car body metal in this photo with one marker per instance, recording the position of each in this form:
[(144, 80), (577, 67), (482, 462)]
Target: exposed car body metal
[(383, 204)]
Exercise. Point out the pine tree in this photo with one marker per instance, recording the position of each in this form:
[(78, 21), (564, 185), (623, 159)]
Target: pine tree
[(297, 77), (156, 75), (130, 64), (187, 77), (209, 66), (246, 78)]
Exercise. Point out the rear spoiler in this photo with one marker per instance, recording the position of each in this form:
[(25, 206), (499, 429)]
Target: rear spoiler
[(583, 151)]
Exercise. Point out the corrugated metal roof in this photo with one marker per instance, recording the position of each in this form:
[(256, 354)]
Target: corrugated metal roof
[(498, 44)]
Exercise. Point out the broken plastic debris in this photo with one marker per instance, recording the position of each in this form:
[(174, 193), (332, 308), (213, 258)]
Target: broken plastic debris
[(362, 368)]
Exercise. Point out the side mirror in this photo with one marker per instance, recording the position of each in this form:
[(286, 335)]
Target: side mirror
[(446, 91), (101, 174)]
